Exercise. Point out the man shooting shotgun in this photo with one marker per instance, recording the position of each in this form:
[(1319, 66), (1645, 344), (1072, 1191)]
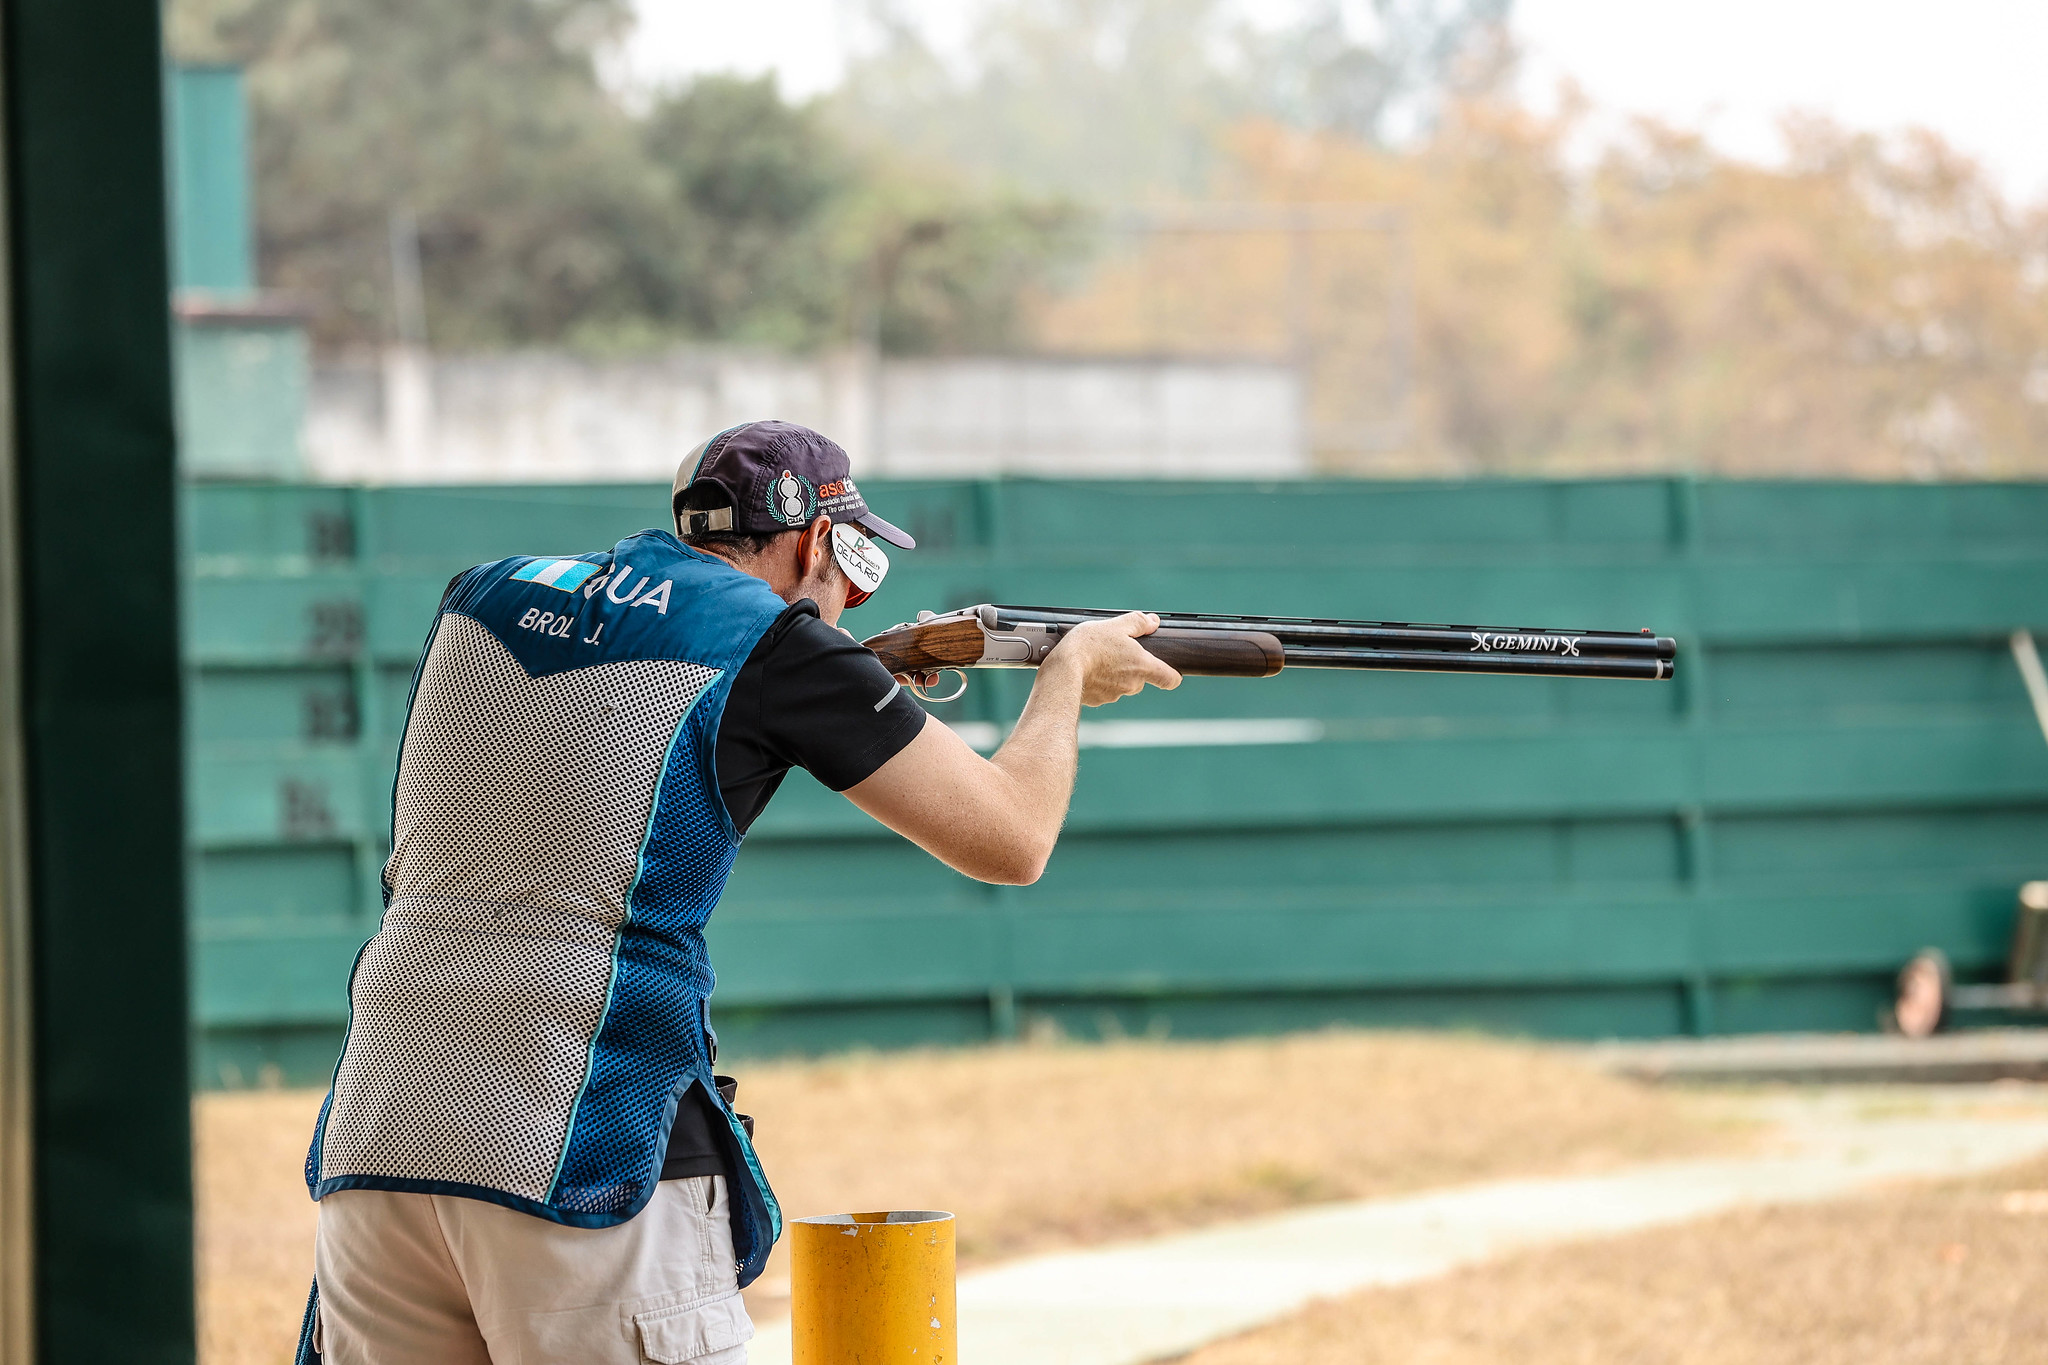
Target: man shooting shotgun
[(525, 1156)]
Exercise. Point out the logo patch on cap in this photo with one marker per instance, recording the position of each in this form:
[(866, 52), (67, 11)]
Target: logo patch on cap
[(792, 498), (839, 499)]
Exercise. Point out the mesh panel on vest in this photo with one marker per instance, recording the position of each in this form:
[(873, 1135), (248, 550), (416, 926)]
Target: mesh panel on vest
[(531, 791), (653, 1036), (520, 807)]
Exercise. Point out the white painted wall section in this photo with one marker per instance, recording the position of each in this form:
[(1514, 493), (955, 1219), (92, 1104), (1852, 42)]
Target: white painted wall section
[(553, 417), (1176, 419)]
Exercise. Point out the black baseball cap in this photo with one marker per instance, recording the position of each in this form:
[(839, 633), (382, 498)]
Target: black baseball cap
[(772, 476)]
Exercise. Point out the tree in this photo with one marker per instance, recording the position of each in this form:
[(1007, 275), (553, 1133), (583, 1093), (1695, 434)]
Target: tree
[(549, 213), (754, 179), (1100, 99), (485, 120), (1316, 75), (1872, 309), (1120, 101)]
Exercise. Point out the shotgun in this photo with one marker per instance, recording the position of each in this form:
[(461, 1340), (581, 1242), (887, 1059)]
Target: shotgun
[(1207, 646)]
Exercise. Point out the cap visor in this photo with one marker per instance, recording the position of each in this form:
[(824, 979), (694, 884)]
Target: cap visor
[(882, 530)]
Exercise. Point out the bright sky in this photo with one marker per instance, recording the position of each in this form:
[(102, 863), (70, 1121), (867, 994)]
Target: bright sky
[(802, 40), (1972, 70)]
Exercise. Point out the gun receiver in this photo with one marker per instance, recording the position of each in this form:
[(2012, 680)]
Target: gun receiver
[(989, 636)]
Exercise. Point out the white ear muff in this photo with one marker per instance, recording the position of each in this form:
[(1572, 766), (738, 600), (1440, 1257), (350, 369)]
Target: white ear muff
[(861, 559)]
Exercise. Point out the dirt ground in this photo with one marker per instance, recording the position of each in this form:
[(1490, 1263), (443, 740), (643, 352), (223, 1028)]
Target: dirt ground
[(255, 1251), (1033, 1146), (1948, 1274)]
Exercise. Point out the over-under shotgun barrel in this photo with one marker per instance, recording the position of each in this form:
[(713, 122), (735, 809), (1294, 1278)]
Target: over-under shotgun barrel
[(1259, 646)]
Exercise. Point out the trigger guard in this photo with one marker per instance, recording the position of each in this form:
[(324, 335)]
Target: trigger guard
[(954, 695)]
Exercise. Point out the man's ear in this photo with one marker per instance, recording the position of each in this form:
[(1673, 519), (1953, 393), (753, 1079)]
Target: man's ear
[(815, 548)]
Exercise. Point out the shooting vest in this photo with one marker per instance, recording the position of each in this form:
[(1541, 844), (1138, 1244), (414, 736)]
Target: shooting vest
[(532, 1011)]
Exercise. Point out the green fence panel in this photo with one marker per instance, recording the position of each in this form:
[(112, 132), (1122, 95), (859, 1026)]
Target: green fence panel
[(1846, 771)]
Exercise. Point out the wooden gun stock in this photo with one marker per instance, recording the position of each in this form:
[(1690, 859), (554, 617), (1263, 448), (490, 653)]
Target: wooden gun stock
[(928, 647), (963, 640)]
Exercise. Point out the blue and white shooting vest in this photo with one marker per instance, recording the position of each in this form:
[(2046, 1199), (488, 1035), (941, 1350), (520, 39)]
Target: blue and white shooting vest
[(530, 1014)]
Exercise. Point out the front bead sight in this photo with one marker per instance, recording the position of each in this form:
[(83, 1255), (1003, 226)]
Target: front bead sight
[(873, 1289)]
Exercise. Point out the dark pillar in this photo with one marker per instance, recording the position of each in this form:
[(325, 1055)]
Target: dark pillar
[(93, 555)]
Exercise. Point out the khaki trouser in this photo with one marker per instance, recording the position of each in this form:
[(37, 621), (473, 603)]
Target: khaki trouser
[(429, 1279)]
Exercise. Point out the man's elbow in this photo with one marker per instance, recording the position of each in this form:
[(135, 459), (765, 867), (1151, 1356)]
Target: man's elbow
[(1021, 872), (1018, 864)]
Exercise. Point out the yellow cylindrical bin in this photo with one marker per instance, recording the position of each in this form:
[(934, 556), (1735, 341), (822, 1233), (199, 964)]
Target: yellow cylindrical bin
[(872, 1289)]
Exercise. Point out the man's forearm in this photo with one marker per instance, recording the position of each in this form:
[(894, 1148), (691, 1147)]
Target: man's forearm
[(996, 819), (1043, 751)]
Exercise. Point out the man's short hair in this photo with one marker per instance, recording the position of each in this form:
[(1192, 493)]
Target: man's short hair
[(700, 498)]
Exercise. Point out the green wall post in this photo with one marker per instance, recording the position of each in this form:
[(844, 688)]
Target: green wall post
[(1694, 828), (94, 542), (210, 179)]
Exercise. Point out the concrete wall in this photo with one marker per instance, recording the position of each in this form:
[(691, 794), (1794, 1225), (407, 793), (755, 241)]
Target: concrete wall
[(410, 417)]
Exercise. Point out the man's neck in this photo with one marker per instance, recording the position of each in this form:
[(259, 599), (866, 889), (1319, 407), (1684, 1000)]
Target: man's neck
[(776, 566), (778, 571)]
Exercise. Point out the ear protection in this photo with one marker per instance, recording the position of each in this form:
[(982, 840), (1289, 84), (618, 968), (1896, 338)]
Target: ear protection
[(861, 560)]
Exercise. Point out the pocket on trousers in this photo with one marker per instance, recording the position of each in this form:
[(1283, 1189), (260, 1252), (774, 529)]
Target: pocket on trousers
[(687, 1332)]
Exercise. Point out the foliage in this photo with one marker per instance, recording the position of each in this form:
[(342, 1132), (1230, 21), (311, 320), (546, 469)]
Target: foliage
[(1099, 98), (484, 119), (791, 234), (1314, 75), (953, 276), (752, 177), (548, 212), (1124, 100), (1872, 308)]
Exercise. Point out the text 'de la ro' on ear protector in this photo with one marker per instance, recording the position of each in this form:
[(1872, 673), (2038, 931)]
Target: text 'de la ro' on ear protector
[(862, 561)]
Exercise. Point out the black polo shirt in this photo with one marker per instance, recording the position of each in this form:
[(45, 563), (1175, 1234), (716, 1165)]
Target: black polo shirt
[(808, 697)]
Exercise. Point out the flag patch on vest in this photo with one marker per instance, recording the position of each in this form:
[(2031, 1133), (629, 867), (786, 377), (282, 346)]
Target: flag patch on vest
[(566, 575)]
